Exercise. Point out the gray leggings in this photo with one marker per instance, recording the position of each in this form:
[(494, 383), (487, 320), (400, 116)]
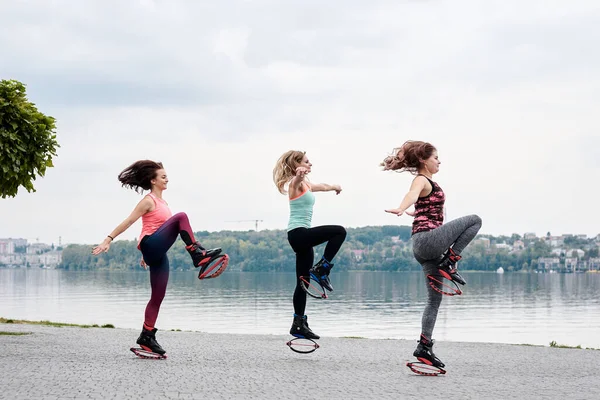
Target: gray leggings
[(428, 248)]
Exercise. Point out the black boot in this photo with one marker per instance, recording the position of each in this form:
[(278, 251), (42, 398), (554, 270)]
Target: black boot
[(300, 328), (147, 341), (200, 256), (321, 271), (448, 266), (424, 353)]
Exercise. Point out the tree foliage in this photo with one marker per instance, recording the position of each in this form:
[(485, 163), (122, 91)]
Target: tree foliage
[(371, 248), (384, 248), (27, 140)]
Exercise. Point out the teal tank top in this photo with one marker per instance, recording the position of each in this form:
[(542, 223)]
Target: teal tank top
[(301, 210)]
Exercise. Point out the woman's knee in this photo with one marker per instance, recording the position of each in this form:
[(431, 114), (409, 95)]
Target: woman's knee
[(476, 219), (181, 216), (303, 270)]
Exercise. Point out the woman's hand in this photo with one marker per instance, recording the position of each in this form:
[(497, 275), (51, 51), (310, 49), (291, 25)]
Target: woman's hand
[(301, 171), (337, 188), (102, 247), (143, 263), (396, 211)]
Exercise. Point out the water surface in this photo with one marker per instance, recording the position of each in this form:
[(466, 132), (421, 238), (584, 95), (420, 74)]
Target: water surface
[(502, 308)]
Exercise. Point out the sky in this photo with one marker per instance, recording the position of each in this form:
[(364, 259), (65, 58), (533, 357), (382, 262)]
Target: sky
[(217, 91)]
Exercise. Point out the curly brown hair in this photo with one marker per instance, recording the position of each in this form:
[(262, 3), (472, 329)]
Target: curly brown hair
[(138, 176), (408, 157)]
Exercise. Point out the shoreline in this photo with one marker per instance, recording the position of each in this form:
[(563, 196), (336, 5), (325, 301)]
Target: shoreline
[(9, 321)]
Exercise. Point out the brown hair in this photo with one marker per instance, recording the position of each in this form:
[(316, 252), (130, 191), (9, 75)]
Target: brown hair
[(285, 168), (138, 176), (408, 157)]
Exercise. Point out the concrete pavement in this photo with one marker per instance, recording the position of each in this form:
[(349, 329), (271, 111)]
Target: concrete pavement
[(95, 363)]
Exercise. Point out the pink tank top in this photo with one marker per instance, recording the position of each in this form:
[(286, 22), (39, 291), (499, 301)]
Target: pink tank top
[(152, 220)]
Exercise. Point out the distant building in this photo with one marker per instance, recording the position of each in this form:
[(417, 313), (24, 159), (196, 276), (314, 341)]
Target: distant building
[(529, 236), (554, 241), (47, 260), (18, 242), (483, 241), (35, 255), (594, 263), (10, 245), (548, 263), (38, 248), (7, 246), (11, 260), (357, 254), (518, 245), (503, 246), (577, 253), (571, 264)]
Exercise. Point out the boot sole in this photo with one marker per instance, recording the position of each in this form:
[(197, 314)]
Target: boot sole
[(304, 337)]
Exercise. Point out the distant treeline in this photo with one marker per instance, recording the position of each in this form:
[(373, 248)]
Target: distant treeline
[(380, 248)]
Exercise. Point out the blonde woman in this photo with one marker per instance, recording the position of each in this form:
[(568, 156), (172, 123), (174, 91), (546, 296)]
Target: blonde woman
[(291, 169)]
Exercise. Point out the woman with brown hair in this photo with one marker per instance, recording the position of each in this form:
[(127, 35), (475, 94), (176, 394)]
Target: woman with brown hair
[(160, 229), (436, 246), (291, 169)]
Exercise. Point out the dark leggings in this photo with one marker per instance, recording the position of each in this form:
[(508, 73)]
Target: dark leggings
[(302, 241), (154, 250), (428, 248)]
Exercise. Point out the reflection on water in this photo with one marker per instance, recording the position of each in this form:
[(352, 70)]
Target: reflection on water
[(507, 308)]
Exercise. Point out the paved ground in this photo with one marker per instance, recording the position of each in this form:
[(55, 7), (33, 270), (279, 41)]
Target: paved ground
[(77, 363)]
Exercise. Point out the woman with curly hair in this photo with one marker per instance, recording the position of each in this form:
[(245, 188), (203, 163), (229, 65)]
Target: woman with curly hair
[(291, 169), (160, 229), (436, 246)]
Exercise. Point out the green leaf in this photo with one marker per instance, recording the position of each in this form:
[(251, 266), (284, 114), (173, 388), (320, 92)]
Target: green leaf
[(27, 140)]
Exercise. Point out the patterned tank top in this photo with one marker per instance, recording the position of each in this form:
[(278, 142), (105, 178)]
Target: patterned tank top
[(429, 210)]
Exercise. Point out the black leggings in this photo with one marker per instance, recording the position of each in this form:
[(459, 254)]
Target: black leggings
[(302, 241)]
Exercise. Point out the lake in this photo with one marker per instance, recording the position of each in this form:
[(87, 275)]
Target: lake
[(503, 308)]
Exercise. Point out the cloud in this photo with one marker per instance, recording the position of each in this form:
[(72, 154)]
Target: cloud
[(506, 90)]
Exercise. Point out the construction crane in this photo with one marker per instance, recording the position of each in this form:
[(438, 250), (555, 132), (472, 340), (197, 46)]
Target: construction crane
[(256, 221)]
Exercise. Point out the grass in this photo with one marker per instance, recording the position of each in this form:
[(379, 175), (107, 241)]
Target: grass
[(4, 333), (50, 323), (557, 346), (353, 337), (564, 346)]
